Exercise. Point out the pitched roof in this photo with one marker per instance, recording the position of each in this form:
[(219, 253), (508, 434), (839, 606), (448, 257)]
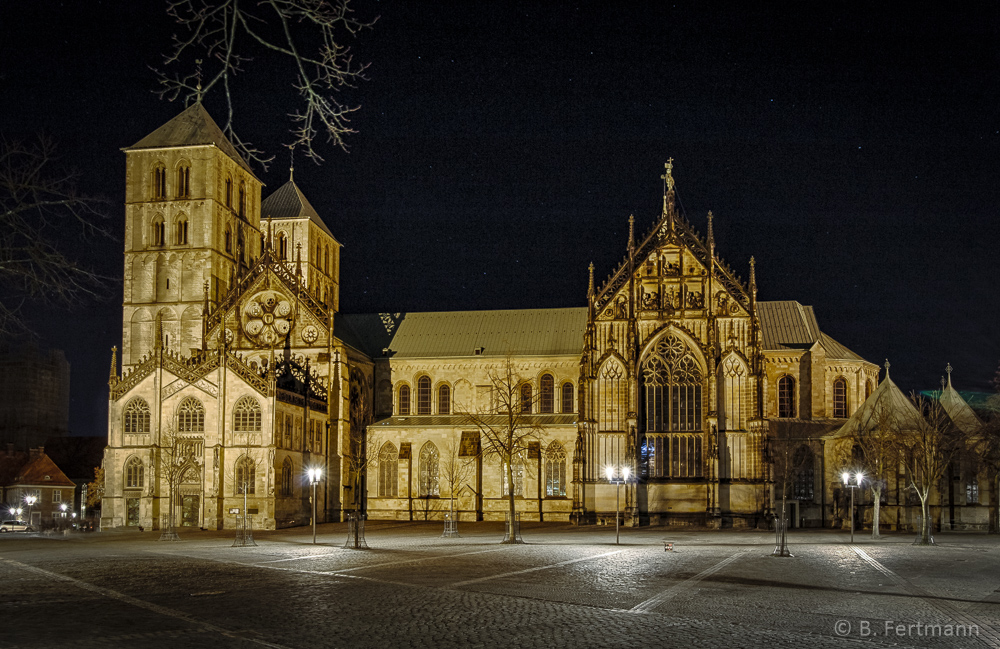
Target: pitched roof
[(531, 332), (193, 127), (41, 471), (288, 202), (786, 324), (887, 401), (958, 409)]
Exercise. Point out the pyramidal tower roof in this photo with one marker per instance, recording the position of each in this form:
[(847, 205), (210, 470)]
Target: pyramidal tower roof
[(957, 408), (288, 202), (192, 127), (887, 401)]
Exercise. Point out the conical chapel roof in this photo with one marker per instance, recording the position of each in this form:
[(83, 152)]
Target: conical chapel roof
[(887, 401), (958, 409), (288, 202), (192, 127)]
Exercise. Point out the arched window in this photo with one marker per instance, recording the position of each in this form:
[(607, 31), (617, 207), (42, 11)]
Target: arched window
[(518, 474), (181, 235), (229, 239), (133, 473), (326, 259), (388, 466), (526, 397), (424, 395), (159, 182), (243, 200), (547, 398), (429, 471), (555, 470), (613, 396), (404, 400), (286, 477), (735, 377), (786, 396), (158, 231), (803, 479), (672, 381), (246, 416), (229, 193), (184, 181), (444, 400), (282, 246), (567, 397), (190, 416), (246, 476), (136, 420), (840, 398)]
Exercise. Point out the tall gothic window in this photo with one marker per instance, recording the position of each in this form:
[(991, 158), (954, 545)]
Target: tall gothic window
[(133, 473), (326, 260), (567, 397), (136, 417), (184, 181), (547, 398), (282, 247), (159, 182), (613, 396), (802, 464), (555, 470), (243, 200), (229, 239), (182, 231), (229, 193), (288, 431), (246, 476), (444, 400), (673, 388), (786, 396), (159, 231), (424, 395), (840, 398), (735, 375), (286, 477), (246, 416), (525, 397), (518, 470), (404, 400), (429, 470), (191, 416), (388, 467)]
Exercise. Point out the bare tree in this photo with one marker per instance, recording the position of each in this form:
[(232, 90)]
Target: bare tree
[(926, 453), (455, 470), (40, 208), (221, 37), (170, 462), (876, 437), (507, 428)]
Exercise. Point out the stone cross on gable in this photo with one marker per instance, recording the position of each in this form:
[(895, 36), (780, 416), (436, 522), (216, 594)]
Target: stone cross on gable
[(668, 173)]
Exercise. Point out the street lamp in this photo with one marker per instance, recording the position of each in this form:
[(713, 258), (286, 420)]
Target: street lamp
[(30, 501), (846, 477), (315, 474), (610, 472)]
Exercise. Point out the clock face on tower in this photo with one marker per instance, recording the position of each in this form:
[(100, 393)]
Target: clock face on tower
[(267, 318)]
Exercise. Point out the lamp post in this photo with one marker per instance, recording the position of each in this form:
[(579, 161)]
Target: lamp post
[(314, 475), (846, 477), (30, 501), (63, 507), (617, 481)]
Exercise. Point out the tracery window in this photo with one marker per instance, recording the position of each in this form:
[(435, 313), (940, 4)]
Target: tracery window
[(444, 400), (404, 399), (133, 473), (555, 470), (786, 396), (673, 383), (735, 375), (613, 396), (159, 182), (190, 416), (567, 397), (136, 418), (802, 464), (246, 416), (246, 476), (518, 474), (525, 397), (424, 395), (388, 467), (840, 398), (429, 471), (286, 477), (184, 181), (547, 400)]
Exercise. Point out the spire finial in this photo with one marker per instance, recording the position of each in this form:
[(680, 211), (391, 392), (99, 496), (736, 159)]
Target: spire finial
[(947, 369), (113, 376), (887, 368), (291, 164), (298, 259), (590, 284), (159, 331), (197, 73), (631, 233), (711, 234)]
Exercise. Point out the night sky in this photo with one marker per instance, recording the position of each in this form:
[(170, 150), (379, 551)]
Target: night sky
[(501, 148)]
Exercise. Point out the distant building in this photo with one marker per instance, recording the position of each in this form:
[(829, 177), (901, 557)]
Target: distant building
[(34, 396), (50, 492)]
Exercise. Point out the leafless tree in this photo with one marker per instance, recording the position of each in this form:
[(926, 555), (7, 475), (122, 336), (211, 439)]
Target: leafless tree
[(170, 463), (876, 438), (455, 470), (926, 454), (219, 39), (41, 210), (507, 427)]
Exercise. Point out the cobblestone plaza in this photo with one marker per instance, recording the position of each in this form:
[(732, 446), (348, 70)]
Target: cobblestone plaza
[(567, 586)]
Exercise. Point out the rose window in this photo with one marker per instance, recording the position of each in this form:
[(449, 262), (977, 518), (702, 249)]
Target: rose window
[(268, 318)]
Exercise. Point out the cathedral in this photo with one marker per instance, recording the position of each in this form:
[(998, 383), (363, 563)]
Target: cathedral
[(238, 373)]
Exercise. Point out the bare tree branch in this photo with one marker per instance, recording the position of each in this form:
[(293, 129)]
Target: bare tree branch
[(40, 210), (306, 33)]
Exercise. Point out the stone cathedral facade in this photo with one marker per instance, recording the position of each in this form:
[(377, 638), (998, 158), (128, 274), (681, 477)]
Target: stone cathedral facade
[(238, 372)]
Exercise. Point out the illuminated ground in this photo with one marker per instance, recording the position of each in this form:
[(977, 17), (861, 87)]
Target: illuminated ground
[(567, 587)]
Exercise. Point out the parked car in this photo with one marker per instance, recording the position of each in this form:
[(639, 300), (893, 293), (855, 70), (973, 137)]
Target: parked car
[(15, 526)]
